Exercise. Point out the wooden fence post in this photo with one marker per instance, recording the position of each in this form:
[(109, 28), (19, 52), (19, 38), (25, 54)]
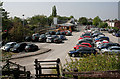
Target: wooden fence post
[(40, 70), (36, 67), (75, 70), (28, 74), (63, 73), (58, 71)]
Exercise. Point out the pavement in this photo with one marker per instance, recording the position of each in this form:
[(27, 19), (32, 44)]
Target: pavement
[(28, 54)]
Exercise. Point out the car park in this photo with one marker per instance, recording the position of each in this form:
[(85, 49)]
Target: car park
[(19, 47), (31, 47), (8, 46)]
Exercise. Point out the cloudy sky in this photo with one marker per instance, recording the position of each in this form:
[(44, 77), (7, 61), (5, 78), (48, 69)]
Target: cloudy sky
[(106, 10)]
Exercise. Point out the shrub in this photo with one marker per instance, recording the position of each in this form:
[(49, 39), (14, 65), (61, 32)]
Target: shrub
[(93, 63)]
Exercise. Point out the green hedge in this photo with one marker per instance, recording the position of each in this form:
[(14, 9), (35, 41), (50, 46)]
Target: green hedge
[(94, 63)]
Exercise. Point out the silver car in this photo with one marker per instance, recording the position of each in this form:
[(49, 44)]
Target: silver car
[(111, 50)]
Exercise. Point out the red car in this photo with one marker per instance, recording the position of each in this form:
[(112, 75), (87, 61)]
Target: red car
[(87, 44), (79, 45)]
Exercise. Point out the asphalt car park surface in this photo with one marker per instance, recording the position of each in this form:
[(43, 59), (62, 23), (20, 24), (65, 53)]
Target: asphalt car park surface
[(57, 51), (112, 38)]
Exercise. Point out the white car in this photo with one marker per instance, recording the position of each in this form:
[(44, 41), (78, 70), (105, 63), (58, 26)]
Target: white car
[(111, 50), (8, 46)]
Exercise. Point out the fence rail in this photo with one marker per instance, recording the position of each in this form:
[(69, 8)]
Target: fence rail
[(94, 74)]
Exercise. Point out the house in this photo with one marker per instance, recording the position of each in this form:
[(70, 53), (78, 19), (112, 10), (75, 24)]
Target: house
[(113, 23)]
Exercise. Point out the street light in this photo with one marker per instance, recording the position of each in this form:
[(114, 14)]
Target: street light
[(23, 19)]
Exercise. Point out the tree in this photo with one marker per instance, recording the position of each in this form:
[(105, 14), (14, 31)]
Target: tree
[(103, 25), (83, 20), (96, 21), (54, 11), (17, 31), (6, 23)]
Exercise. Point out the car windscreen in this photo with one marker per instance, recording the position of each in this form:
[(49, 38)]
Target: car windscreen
[(17, 45), (7, 45)]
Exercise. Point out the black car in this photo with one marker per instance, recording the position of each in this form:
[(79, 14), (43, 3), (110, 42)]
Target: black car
[(28, 38), (18, 47), (31, 47), (57, 39), (81, 51), (52, 32), (42, 38)]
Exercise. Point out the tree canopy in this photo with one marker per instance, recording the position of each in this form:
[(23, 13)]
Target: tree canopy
[(96, 21), (83, 20), (54, 11)]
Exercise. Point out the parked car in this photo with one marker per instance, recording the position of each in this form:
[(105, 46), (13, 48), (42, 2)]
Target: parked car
[(28, 38), (31, 47), (58, 33), (117, 34), (111, 50), (87, 44), (52, 32), (18, 47), (68, 33), (42, 38), (81, 51), (110, 30), (8, 46), (49, 39), (101, 39), (114, 33), (57, 39), (62, 37), (62, 33), (78, 46), (35, 37), (107, 45)]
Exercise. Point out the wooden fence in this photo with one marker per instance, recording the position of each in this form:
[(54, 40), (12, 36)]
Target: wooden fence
[(93, 74), (15, 69), (51, 64)]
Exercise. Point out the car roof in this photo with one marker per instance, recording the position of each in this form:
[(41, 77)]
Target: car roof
[(114, 47), (11, 42)]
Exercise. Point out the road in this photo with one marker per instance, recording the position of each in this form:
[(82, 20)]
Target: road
[(58, 51)]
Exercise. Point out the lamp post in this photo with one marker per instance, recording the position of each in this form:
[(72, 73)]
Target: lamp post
[(23, 19), (23, 26)]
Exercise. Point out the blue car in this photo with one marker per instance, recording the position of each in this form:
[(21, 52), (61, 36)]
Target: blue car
[(81, 51), (117, 34), (102, 38)]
